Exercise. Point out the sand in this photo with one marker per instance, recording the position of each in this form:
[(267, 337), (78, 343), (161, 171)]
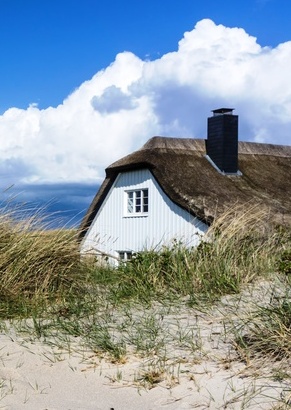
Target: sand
[(35, 377), (39, 375)]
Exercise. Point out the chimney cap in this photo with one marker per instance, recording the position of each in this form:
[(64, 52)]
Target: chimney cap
[(222, 111)]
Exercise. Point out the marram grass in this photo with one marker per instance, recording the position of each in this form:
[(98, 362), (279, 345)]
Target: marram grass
[(35, 264), (120, 311), (238, 248), (43, 269)]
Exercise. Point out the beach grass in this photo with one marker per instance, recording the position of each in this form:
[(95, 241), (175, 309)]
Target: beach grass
[(158, 305)]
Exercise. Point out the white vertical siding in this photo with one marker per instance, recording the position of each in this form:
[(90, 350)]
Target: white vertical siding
[(113, 231)]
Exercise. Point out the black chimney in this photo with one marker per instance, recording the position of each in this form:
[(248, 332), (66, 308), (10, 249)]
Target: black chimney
[(222, 140)]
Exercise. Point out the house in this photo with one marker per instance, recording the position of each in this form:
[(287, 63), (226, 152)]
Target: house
[(173, 188)]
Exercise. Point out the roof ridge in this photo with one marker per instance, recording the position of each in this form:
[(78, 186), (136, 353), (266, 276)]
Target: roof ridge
[(198, 144)]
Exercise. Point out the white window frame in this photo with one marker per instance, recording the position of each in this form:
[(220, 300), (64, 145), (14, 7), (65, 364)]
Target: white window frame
[(125, 256), (137, 202)]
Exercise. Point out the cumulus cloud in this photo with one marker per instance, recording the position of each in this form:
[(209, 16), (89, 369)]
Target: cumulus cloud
[(132, 100), (112, 100)]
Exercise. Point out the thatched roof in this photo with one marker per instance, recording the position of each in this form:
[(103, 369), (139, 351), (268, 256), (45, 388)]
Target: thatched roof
[(187, 177)]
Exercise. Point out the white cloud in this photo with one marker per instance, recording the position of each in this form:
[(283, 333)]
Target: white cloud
[(112, 100), (131, 100)]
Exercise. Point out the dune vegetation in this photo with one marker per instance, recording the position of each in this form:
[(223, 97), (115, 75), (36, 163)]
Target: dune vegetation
[(240, 274)]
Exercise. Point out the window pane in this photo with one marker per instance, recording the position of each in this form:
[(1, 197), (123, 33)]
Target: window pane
[(128, 255), (122, 255), (145, 200), (130, 202), (130, 206), (137, 201)]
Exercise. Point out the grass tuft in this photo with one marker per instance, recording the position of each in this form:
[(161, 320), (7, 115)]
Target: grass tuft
[(238, 248), (36, 265), (267, 332)]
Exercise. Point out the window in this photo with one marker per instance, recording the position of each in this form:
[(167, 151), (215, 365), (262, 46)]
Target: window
[(137, 201), (125, 255)]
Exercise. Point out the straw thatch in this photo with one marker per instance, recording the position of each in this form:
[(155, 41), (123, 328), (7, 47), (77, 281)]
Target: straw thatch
[(188, 179)]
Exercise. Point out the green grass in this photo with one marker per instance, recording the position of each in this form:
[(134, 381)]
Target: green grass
[(50, 293), (237, 250), (37, 266), (41, 270), (266, 331)]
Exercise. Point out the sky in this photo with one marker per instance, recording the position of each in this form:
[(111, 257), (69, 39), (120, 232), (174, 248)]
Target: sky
[(83, 83)]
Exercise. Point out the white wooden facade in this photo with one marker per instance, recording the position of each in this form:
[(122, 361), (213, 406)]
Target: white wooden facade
[(114, 230)]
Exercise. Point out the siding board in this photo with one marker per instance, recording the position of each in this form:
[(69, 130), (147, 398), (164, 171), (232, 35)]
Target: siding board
[(113, 231)]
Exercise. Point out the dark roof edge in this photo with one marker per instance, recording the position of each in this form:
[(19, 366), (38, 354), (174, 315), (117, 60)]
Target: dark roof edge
[(179, 200), (94, 207)]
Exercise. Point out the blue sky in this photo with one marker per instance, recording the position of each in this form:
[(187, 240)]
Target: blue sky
[(83, 83), (49, 47)]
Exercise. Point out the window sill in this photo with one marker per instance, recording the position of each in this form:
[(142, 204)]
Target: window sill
[(136, 215)]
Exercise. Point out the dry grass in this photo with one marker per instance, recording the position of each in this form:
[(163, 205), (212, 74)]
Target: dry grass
[(238, 248), (175, 310), (35, 264)]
